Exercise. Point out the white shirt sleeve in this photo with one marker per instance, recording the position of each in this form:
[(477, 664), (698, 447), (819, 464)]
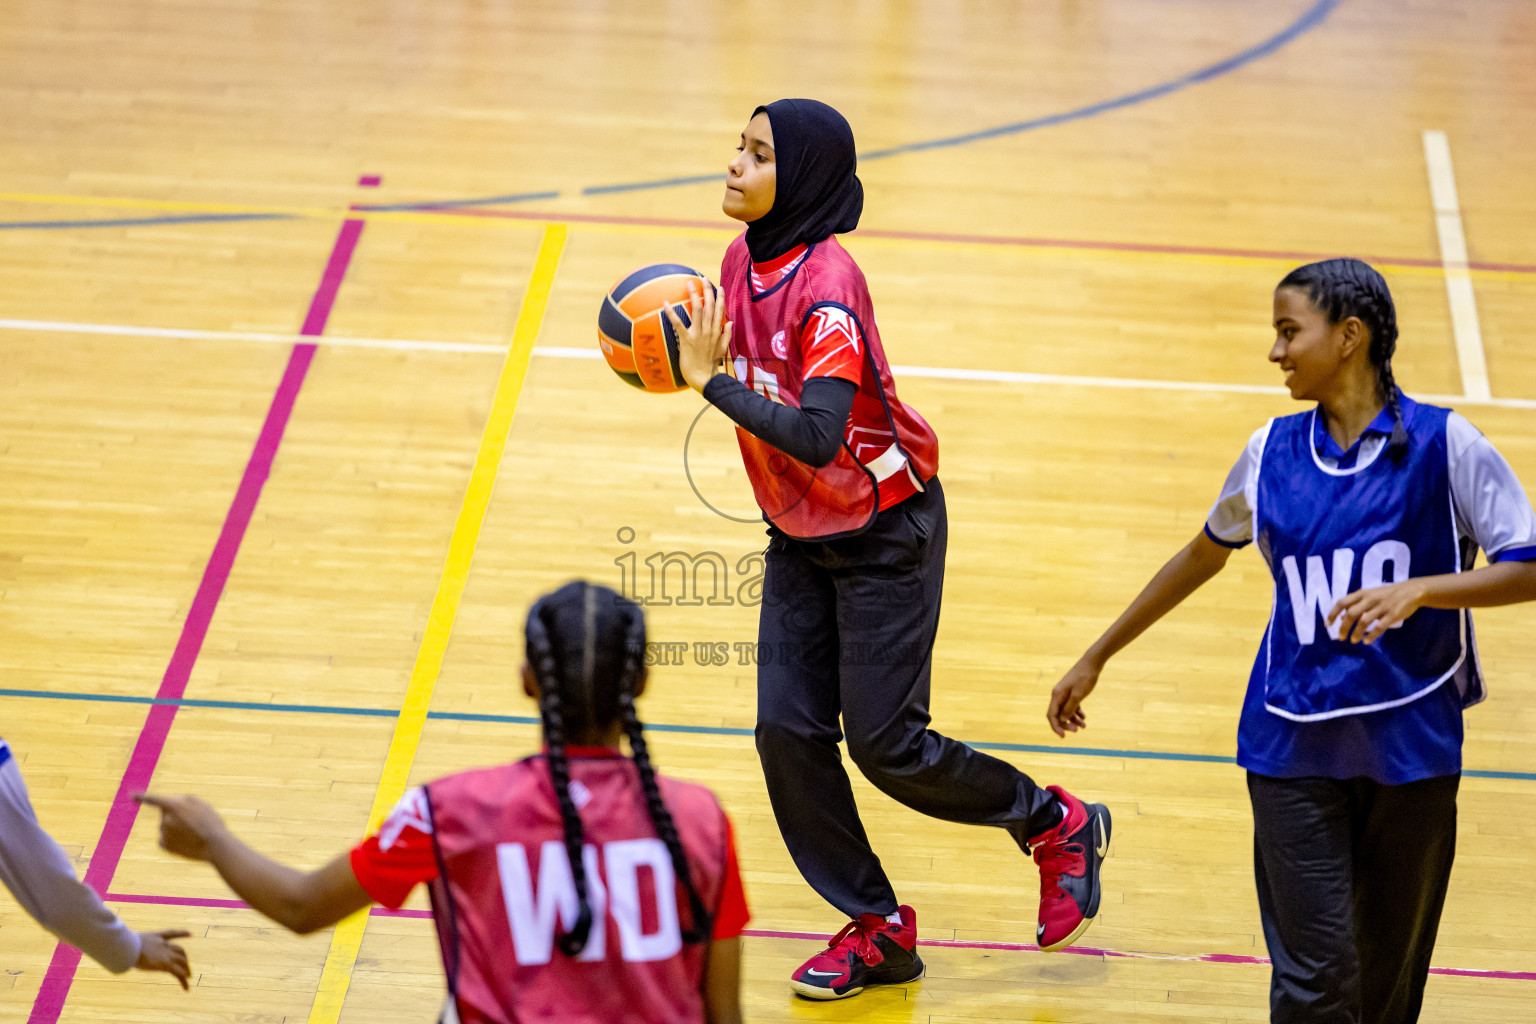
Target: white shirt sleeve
[(39, 874), (1491, 506), (1231, 520)]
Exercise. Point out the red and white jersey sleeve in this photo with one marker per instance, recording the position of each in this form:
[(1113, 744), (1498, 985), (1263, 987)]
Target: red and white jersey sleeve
[(391, 863), (832, 344)]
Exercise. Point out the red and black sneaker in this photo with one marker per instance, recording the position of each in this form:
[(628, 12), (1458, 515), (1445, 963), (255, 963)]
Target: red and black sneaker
[(1070, 856), (868, 951)]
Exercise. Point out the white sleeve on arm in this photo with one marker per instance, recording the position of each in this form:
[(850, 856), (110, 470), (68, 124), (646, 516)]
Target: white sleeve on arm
[(1230, 523), (1491, 506), (38, 873)]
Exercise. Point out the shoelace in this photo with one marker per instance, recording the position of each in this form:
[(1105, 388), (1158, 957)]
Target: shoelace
[(1056, 859), (856, 937)]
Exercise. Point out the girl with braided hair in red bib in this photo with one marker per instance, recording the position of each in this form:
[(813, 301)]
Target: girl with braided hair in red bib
[(575, 885), (845, 474)]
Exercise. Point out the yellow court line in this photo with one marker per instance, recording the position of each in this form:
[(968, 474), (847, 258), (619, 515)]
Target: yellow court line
[(1086, 252), (348, 936)]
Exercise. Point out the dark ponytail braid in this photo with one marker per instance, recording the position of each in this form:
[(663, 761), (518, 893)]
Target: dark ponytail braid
[(1397, 446), (1342, 288), (700, 924), (541, 656)]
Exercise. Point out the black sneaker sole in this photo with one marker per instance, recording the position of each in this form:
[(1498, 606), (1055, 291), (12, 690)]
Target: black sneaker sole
[(1095, 857), (910, 972)]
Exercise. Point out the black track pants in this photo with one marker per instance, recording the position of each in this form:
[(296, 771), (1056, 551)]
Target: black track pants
[(1351, 876), (849, 627)]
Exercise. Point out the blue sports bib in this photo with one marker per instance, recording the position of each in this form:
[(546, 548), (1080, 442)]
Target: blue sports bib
[(1327, 532)]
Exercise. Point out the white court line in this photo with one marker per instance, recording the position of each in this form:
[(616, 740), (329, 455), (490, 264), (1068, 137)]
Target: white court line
[(1458, 278), (1015, 377), (268, 339), (563, 352)]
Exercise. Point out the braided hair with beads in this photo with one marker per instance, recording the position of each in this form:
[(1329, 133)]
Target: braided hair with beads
[(586, 646), (1343, 288)]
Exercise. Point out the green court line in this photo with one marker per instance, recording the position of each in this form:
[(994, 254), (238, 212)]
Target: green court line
[(706, 730)]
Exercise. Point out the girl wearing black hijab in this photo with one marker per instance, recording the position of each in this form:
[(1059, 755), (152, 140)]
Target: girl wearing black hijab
[(845, 474)]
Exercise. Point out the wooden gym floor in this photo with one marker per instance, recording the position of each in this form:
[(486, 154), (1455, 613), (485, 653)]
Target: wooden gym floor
[(1076, 212)]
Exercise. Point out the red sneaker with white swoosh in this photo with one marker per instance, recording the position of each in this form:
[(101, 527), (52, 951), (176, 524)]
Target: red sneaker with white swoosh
[(868, 951), (1070, 856)]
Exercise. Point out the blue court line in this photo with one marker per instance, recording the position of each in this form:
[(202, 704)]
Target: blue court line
[(1143, 755), (187, 702), (1312, 18), (190, 218), (708, 730), (637, 186), (1161, 755), (1309, 19)]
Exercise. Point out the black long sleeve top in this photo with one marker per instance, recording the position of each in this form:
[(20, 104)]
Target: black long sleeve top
[(812, 433)]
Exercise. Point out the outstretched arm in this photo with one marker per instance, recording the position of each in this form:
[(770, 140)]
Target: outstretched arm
[(300, 901), (39, 874), (1199, 560)]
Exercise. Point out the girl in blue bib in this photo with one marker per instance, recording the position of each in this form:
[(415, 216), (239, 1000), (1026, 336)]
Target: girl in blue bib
[(1369, 509)]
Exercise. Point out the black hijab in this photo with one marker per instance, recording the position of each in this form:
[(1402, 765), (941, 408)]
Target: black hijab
[(817, 193)]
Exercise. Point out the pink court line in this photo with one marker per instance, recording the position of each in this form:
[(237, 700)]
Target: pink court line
[(51, 996), (1010, 947), (999, 240)]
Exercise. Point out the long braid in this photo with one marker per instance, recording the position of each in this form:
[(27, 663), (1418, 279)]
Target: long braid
[(700, 924), (1397, 446), (1342, 288), (551, 711), (1374, 305)]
